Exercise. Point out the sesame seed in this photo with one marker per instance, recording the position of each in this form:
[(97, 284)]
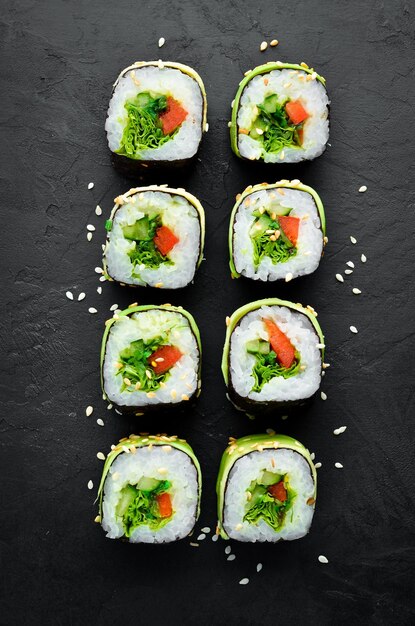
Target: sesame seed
[(97, 519), (259, 567), (323, 559), (274, 42), (162, 470), (353, 239), (339, 431), (98, 210), (228, 550), (231, 557), (151, 394), (206, 529), (193, 544), (185, 396), (100, 422), (320, 345), (99, 290), (101, 456), (98, 270), (89, 410), (338, 465), (173, 393), (89, 236), (206, 127), (92, 310), (160, 64), (158, 285), (102, 279), (90, 185), (363, 258), (312, 456), (215, 537), (325, 365), (282, 155), (304, 65), (113, 307), (323, 395), (229, 124), (109, 407), (348, 272), (201, 537), (69, 295), (318, 465), (162, 41), (115, 476), (227, 320), (356, 290), (90, 227), (263, 46), (350, 263), (353, 329), (90, 484), (244, 581), (362, 189), (148, 374), (340, 278), (326, 239), (288, 277)]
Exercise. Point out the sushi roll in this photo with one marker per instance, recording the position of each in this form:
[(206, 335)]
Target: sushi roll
[(273, 355), (150, 358), (150, 490), (156, 116), (155, 237), (276, 231), (280, 114), (266, 489)]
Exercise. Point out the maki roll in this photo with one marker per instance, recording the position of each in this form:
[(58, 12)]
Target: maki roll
[(156, 115), (276, 231), (266, 488), (280, 114), (273, 355), (150, 358), (150, 490), (155, 237)]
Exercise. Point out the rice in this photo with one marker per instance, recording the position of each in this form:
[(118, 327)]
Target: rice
[(247, 469), (180, 216), (146, 325), (146, 462), (301, 333), (287, 84), (164, 81), (309, 243)]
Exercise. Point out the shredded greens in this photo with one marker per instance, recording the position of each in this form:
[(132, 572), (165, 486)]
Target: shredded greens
[(262, 505), (278, 131), (143, 129), (267, 367), (279, 251), (138, 507), (135, 367), (145, 251)]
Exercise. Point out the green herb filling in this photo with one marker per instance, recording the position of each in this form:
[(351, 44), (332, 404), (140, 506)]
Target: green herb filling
[(138, 506), (135, 367), (279, 250), (145, 251), (262, 505), (276, 131), (266, 365)]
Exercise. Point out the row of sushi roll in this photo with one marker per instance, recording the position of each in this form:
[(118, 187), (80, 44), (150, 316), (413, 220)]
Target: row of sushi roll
[(158, 113), (155, 235), (151, 487)]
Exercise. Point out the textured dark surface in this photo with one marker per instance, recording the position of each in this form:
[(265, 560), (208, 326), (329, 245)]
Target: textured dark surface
[(59, 60)]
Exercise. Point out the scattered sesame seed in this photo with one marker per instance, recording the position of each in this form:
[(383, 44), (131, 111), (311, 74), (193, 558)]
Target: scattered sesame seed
[(100, 422), (229, 124), (101, 456), (102, 279), (356, 290), (99, 290), (92, 310), (244, 581), (97, 519), (115, 476), (325, 365), (206, 127), (353, 239), (90, 484), (90, 227), (323, 559), (338, 465), (350, 263), (90, 185), (81, 296), (326, 239), (321, 346), (312, 456), (228, 550), (160, 64), (339, 431), (363, 258), (274, 42), (109, 407), (353, 329), (206, 529), (113, 307), (259, 567), (318, 465), (69, 295), (158, 285), (348, 272), (194, 545), (98, 210), (227, 320), (215, 537), (340, 278), (98, 270), (231, 557), (89, 236), (162, 470), (323, 395), (89, 410), (362, 189), (288, 276), (282, 155), (263, 46), (162, 41), (201, 537)]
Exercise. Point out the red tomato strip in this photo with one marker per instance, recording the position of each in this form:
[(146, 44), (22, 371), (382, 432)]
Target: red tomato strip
[(280, 343), (290, 226), (278, 491), (172, 116), (165, 240), (164, 503), (296, 112), (164, 358)]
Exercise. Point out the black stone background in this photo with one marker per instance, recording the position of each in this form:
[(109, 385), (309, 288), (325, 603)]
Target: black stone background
[(59, 60)]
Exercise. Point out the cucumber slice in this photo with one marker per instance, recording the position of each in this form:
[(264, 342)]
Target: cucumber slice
[(143, 99), (148, 484), (140, 231), (261, 225), (271, 103), (256, 346), (269, 478), (278, 209), (128, 495), (257, 494)]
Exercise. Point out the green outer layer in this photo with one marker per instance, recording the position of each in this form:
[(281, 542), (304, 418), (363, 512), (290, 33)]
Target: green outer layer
[(252, 306), (288, 184), (142, 441), (124, 199), (147, 307), (234, 452), (261, 69)]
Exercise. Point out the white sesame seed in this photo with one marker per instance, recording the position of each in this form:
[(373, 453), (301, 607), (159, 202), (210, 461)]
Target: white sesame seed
[(101, 456), (98, 270), (363, 258), (259, 567), (206, 530), (162, 41), (348, 272), (97, 519), (90, 227), (98, 210), (321, 345), (99, 290), (323, 559), (318, 465), (228, 550), (340, 278), (356, 290), (215, 537), (263, 46), (229, 124), (81, 296), (288, 277), (312, 456), (231, 557), (362, 189), (244, 581), (340, 430), (201, 537), (102, 279), (323, 395), (193, 544), (109, 407), (353, 239), (89, 410), (69, 295), (206, 127), (325, 365), (89, 236), (92, 310), (353, 329), (350, 263), (100, 422), (274, 42), (338, 465), (113, 307), (90, 185), (90, 484)]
